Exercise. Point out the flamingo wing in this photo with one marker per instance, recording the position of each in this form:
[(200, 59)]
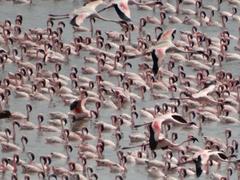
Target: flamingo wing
[(78, 19), (167, 35), (204, 92), (123, 10)]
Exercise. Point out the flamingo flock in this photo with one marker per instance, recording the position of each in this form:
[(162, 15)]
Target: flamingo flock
[(120, 89)]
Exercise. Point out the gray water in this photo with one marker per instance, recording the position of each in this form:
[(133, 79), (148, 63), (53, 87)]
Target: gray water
[(35, 15)]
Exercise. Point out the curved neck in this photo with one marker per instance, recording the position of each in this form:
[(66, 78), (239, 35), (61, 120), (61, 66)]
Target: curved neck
[(83, 103)]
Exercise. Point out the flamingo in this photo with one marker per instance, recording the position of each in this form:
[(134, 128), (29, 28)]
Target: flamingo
[(158, 141), (70, 135), (165, 45), (43, 128), (8, 146), (174, 118), (163, 143), (13, 163), (80, 111), (85, 134), (183, 172), (5, 166), (203, 95), (203, 157), (121, 167), (58, 155), (31, 166), (20, 116), (78, 15)]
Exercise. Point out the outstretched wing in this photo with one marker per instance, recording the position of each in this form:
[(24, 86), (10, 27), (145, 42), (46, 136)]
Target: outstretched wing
[(167, 35), (77, 20), (123, 10), (205, 91)]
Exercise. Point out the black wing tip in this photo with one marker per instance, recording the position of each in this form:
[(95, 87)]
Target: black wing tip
[(73, 21), (5, 114), (179, 118), (74, 104), (155, 62), (121, 14)]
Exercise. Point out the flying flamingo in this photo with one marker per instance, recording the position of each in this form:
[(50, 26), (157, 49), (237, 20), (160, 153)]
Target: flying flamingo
[(78, 15), (202, 158), (122, 7), (164, 45), (167, 118), (158, 141)]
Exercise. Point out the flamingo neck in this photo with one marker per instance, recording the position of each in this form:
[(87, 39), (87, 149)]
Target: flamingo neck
[(83, 107), (156, 126)]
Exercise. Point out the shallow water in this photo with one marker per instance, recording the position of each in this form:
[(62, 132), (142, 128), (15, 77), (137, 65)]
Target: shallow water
[(35, 15)]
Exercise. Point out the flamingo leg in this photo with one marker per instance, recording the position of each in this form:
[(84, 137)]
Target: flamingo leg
[(104, 19), (59, 18), (58, 15), (131, 147)]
